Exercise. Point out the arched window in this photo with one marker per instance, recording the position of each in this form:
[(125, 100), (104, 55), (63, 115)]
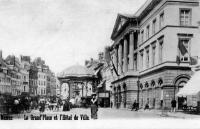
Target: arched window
[(114, 89), (119, 88), (182, 83), (141, 86), (146, 84), (160, 82), (153, 83), (124, 87), (181, 80)]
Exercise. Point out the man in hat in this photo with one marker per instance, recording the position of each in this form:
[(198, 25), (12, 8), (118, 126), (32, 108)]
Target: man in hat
[(94, 106)]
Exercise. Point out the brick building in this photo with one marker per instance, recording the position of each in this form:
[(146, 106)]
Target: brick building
[(152, 52)]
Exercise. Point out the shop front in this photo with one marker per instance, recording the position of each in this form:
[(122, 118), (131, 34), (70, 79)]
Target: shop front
[(104, 99), (190, 93)]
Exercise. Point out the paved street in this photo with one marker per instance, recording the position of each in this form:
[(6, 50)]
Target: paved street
[(107, 113)]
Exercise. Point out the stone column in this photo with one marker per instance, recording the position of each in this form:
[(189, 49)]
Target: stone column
[(120, 59), (115, 58), (131, 48), (125, 66), (70, 92)]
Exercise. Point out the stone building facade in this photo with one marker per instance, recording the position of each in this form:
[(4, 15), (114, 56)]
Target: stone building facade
[(152, 52), (25, 67), (33, 77)]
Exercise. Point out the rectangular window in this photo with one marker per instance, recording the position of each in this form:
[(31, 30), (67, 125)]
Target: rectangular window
[(161, 24), (153, 54), (141, 60), (147, 32), (160, 50), (142, 36), (135, 62), (147, 58), (185, 17), (154, 27)]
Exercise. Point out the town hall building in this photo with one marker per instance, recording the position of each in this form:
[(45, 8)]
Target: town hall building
[(152, 52)]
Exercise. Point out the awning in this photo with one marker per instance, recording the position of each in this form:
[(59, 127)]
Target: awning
[(192, 87)]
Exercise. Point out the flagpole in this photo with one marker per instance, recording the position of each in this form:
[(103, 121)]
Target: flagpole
[(178, 61)]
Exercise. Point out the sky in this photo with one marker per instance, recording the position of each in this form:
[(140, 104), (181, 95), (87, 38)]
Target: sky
[(62, 32)]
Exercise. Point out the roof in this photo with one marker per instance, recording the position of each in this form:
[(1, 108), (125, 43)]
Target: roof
[(142, 8), (76, 71), (121, 22)]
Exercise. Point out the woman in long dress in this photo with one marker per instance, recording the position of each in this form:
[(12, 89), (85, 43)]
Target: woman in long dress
[(94, 107), (66, 106)]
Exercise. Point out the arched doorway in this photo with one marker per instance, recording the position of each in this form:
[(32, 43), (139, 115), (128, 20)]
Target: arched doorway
[(141, 95), (147, 99), (160, 101), (153, 92), (179, 83)]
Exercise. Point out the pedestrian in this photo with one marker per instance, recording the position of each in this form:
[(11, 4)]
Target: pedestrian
[(173, 105), (48, 105), (134, 106), (66, 106), (1, 104), (146, 106), (161, 104), (111, 104), (42, 106), (94, 106), (57, 105), (16, 106), (185, 104), (26, 104)]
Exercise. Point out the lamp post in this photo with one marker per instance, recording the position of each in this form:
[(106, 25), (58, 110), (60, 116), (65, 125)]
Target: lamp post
[(174, 91)]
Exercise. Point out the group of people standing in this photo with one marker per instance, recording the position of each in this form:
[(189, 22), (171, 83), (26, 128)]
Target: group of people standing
[(49, 105), (135, 105), (14, 105), (21, 105)]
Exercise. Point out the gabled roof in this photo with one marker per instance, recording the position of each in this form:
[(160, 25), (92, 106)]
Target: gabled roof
[(121, 21)]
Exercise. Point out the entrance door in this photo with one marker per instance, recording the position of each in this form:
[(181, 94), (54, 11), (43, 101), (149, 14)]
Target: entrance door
[(180, 102), (154, 102)]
